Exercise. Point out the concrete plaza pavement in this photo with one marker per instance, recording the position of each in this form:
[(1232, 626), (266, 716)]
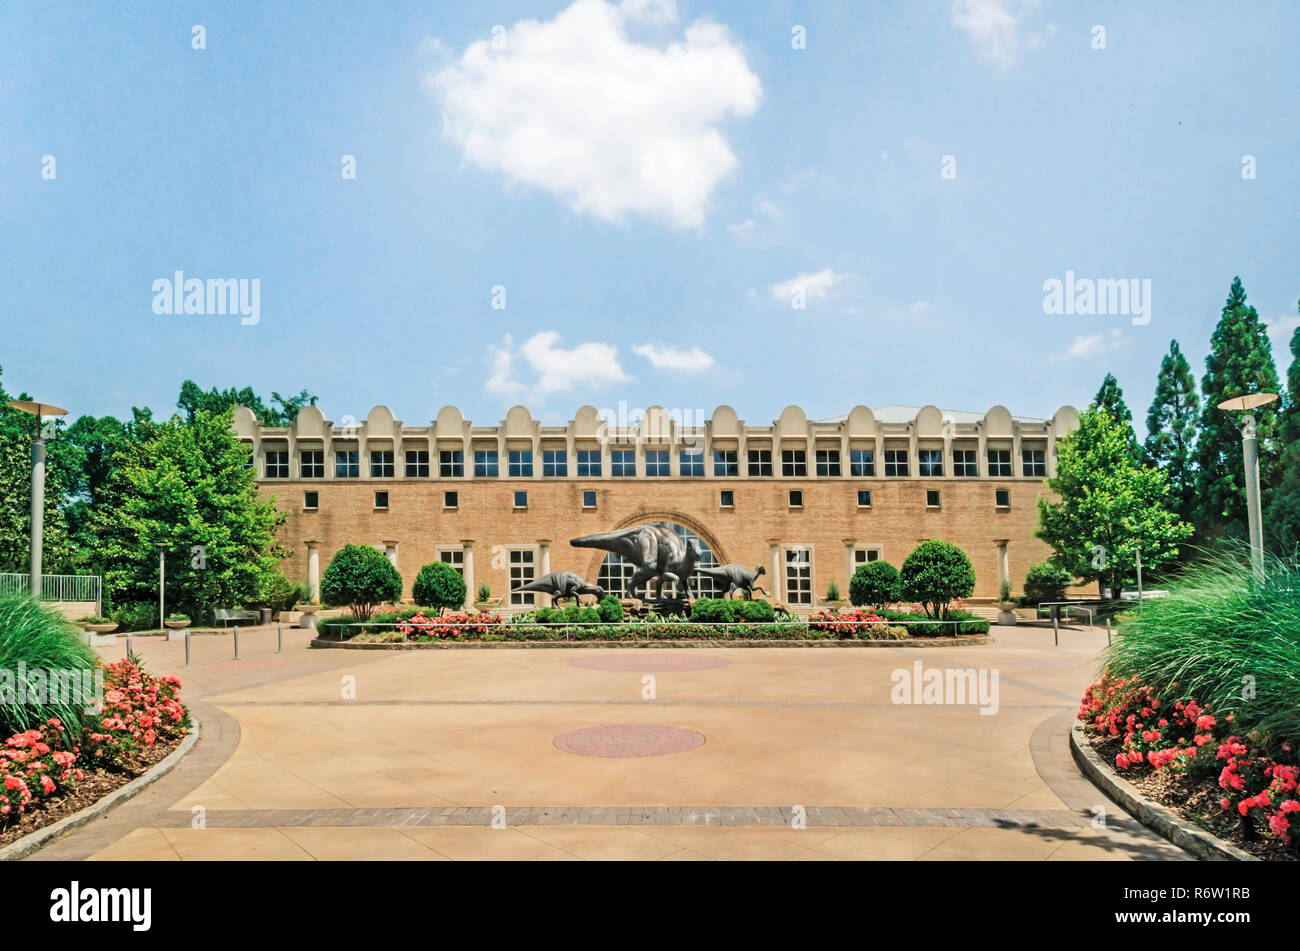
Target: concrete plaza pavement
[(343, 754)]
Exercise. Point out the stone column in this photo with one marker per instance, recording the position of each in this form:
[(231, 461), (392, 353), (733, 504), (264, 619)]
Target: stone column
[(544, 559), (467, 549), (313, 569), (1004, 563), (849, 567), (390, 551), (778, 578)]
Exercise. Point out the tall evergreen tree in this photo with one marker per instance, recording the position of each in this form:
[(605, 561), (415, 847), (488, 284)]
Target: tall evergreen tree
[(1282, 518), (1111, 398), (1171, 428), (1240, 363)]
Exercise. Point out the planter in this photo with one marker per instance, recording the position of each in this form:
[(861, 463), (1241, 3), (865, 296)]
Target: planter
[(91, 639), (306, 608), (108, 628), (1006, 612), (177, 624)]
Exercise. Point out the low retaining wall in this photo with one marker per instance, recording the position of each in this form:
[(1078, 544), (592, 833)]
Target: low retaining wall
[(969, 640)]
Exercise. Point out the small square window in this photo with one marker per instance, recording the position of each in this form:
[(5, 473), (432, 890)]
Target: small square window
[(864, 498), (521, 500), (727, 498), (1003, 498), (311, 500), (588, 498), (796, 498), (932, 498), (381, 500), (450, 500)]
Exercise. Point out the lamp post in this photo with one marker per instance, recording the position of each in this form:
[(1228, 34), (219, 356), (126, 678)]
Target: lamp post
[(38, 486), (1250, 453), (162, 580)]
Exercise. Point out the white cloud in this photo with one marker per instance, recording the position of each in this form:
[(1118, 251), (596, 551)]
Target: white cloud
[(917, 306), (994, 25), (613, 126), (743, 229), (1280, 330), (555, 370), (1087, 346), (661, 357), (816, 287)]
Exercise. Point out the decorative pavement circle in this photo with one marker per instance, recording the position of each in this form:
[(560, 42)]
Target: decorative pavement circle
[(652, 661), (628, 740)]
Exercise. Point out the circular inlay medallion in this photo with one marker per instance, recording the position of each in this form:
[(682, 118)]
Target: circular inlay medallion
[(628, 739), (652, 661)]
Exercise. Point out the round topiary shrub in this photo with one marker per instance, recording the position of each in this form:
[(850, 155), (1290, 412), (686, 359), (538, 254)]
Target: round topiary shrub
[(1046, 582), (877, 583), (714, 611), (611, 609), (360, 577), (439, 585), (935, 574), (755, 612)]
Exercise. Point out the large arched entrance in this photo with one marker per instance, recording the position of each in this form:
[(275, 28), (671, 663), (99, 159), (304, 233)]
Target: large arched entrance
[(615, 573)]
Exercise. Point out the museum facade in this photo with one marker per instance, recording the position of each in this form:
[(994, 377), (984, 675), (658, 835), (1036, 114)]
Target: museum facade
[(808, 500)]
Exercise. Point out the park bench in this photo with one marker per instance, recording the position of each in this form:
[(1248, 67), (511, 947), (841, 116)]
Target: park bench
[(236, 616)]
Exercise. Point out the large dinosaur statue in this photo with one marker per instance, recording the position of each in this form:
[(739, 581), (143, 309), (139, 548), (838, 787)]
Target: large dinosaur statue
[(563, 584), (656, 550), (735, 577)]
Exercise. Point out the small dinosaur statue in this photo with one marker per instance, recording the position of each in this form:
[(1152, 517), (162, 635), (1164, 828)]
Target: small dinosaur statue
[(563, 584), (735, 577)]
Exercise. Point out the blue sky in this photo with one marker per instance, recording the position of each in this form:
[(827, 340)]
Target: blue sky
[(649, 184)]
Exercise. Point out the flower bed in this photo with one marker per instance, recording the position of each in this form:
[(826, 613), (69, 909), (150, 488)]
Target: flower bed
[(1240, 787), (56, 768)]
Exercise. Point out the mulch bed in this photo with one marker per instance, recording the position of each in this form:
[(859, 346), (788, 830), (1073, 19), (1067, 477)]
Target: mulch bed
[(1196, 801), (97, 784)]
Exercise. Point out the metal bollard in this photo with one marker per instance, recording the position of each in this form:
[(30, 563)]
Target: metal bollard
[(1056, 625), (279, 638), (187, 648), (1107, 632), (236, 642), (129, 642)]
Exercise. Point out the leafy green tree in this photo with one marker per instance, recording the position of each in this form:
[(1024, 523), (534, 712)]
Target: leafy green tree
[(189, 488), (360, 578), (1282, 518), (1111, 506), (281, 411), (91, 443), (439, 585), (935, 574), (876, 583), (1171, 429), (1111, 398), (1046, 582), (1240, 363)]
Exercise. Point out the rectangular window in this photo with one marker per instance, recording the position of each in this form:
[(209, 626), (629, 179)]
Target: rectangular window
[(798, 576), (930, 463), (895, 462), (311, 500), (828, 462), (277, 464), (656, 463), (311, 464), (724, 463), (794, 462), (760, 462), (454, 557), (521, 463), (381, 500), (727, 498), (999, 463), (450, 500), (1034, 463), (864, 556), (964, 463), (347, 464), (485, 463), (796, 499), (417, 463), (555, 463), (588, 463), (622, 463), (932, 498), (864, 498), (1002, 498), (521, 572), (691, 462), (588, 498), (451, 464), (862, 462), (381, 464), (521, 500)]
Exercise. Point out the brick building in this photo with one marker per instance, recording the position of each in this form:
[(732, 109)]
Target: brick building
[(807, 499)]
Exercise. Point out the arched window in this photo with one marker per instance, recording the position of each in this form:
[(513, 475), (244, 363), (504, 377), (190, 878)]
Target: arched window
[(615, 573)]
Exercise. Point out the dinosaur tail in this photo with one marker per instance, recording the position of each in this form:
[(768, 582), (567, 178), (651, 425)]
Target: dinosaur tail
[(599, 540), (537, 585)]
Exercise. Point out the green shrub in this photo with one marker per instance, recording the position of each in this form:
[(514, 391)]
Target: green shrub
[(832, 591), (754, 612), (611, 609), (876, 584), (137, 616), (1046, 582), (360, 577), (714, 611), (337, 627), (41, 640), (440, 586), (279, 593), (935, 574)]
